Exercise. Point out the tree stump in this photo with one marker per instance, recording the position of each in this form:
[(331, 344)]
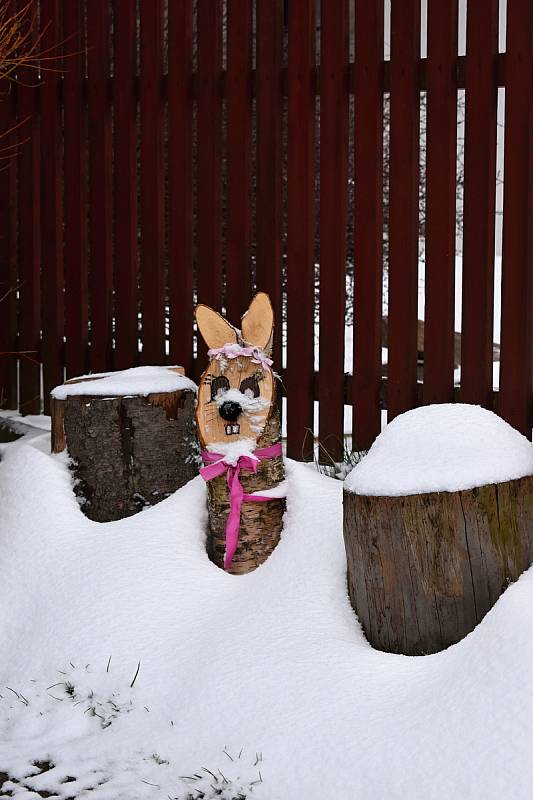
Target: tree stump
[(128, 450), (424, 569)]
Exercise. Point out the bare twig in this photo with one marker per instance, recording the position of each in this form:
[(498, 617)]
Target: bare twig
[(10, 291), (21, 43)]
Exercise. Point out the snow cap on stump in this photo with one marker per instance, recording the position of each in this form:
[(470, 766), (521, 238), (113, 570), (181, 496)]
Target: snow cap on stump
[(442, 448), (137, 381)]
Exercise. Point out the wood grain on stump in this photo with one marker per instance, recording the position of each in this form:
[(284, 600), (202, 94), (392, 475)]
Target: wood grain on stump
[(424, 569), (127, 452)]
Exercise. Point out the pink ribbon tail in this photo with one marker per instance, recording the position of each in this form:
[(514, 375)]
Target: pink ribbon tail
[(215, 466)]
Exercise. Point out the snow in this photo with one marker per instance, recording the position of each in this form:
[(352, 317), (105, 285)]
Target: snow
[(248, 404), (28, 423), (234, 449), (135, 381), (271, 666), (442, 448)]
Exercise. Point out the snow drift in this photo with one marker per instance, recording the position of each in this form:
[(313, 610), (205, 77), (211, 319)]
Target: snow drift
[(265, 679)]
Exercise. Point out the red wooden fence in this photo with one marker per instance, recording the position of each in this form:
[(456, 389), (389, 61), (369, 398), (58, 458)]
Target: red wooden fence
[(440, 201), (206, 148)]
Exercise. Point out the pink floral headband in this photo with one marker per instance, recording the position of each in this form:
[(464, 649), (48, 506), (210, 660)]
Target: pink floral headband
[(229, 350)]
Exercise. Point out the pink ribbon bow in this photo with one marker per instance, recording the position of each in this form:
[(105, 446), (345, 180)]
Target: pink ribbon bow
[(215, 466)]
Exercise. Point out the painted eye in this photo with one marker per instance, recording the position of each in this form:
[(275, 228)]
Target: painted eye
[(219, 385), (249, 387)]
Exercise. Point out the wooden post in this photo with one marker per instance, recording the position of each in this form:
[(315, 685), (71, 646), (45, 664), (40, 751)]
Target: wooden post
[(127, 451), (237, 410), (301, 222), (424, 569)]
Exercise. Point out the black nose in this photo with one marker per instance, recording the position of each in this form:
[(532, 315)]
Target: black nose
[(230, 411)]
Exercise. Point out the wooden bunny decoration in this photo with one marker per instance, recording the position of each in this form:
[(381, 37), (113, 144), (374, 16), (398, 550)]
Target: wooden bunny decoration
[(239, 430)]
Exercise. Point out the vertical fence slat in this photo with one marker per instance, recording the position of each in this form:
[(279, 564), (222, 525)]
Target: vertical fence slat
[(75, 190), (152, 185), (301, 230), (440, 201), (517, 275), (125, 183), (180, 119), (479, 202), (29, 238), (209, 153), (52, 306), (368, 222), (239, 157), (100, 187), (334, 108), (269, 116), (403, 207), (8, 252)]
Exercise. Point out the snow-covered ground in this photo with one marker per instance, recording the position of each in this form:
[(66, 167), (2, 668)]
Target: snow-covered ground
[(260, 685)]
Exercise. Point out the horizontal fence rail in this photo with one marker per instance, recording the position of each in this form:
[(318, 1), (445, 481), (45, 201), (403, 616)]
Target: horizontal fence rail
[(174, 151)]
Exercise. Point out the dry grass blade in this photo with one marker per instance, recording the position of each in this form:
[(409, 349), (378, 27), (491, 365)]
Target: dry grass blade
[(135, 676)]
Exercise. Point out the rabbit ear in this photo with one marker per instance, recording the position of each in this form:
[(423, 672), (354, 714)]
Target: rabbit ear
[(215, 330), (258, 322)]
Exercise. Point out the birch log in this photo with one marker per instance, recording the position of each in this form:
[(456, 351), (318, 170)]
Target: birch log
[(236, 414), (261, 523)]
